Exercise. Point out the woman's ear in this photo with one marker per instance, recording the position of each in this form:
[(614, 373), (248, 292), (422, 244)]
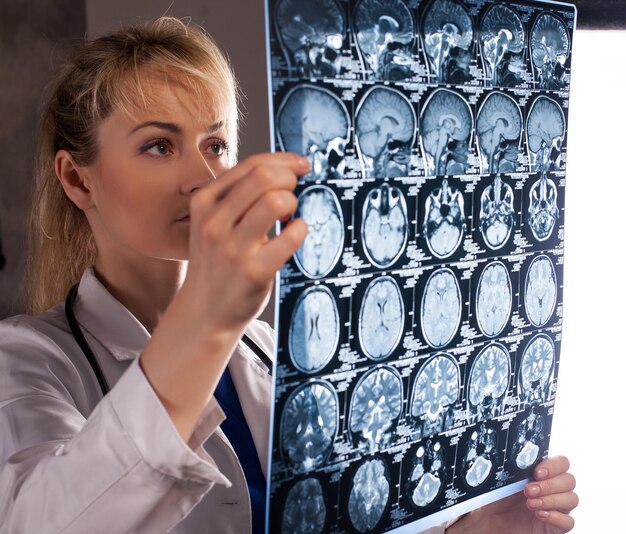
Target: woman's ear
[(74, 179)]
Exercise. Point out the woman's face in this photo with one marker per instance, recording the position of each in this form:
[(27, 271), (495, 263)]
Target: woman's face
[(148, 167)]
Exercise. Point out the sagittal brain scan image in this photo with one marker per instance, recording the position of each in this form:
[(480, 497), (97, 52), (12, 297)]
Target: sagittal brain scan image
[(499, 129), (478, 462), (319, 208), (530, 436), (448, 37), (375, 408), (385, 33), (441, 308), (494, 298), (540, 291), (385, 132), (385, 225), (549, 50), (312, 33), (536, 369), (545, 129), (314, 330), (381, 318), (369, 495), (489, 381), (502, 41), (497, 215), (313, 122), (445, 132), (435, 394), (309, 425), (305, 508), (444, 220), (428, 474), (542, 209)]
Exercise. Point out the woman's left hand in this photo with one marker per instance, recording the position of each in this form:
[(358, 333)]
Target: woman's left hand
[(543, 507)]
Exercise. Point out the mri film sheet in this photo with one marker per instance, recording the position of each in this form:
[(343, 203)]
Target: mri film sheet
[(418, 327)]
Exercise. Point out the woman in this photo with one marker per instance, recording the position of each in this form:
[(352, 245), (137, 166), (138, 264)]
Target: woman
[(174, 265)]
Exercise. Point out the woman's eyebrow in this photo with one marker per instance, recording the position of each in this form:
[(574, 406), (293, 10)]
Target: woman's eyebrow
[(174, 128)]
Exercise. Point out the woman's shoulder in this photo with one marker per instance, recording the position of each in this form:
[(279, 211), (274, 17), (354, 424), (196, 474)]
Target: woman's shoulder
[(28, 330)]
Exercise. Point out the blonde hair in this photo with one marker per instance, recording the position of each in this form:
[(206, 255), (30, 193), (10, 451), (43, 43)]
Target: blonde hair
[(105, 75)]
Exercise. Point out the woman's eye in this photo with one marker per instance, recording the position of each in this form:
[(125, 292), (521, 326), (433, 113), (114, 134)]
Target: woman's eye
[(157, 148), (217, 148)]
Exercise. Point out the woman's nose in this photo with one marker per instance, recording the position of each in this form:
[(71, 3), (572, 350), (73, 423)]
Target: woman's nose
[(197, 173)]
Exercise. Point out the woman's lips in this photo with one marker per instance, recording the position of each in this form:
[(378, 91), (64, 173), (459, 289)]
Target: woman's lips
[(186, 218)]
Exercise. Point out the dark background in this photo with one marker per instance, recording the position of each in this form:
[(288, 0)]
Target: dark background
[(34, 34)]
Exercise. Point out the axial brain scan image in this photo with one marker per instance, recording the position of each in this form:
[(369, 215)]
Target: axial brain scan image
[(428, 474), (305, 508), (543, 210), (478, 462), (497, 214), (369, 495), (536, 369), (441, 308), (540, 290), (494, 298), (444, 220)]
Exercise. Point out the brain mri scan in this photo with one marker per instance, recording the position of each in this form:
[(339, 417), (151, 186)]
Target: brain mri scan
[(494, 298), (499, 130), (435, 394), (530, 436), (502, 40), (385, 226), (312, 33), (542, 209), (309, 425), (313, 122), (479, 460), (497, 214), (385, 34), (448, 36), (385, 126), (540, 290), (445, 131), (444, 220), (549, 50), (535, 378), (381, 318), (375, 408), (314, 330), (305, 508), (319, 208), (369, 495), (488, 382), (545, 130), (428, 474), (441, 308)]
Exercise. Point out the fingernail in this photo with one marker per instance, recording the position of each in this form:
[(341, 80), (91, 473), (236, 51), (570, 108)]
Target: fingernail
[(534, 490), (543, 513), (541, 473), (303, 162), (535, 503)]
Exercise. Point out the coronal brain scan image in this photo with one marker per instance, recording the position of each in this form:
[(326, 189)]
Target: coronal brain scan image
[(309, 425), (497, 215), (444, 220), (375, 408), (448, 35), (543, 210), (494, 298), (499, 129), (536, 369), (314, 330), (445, 131), (502, 41), (385, 126), (385, 33), (305, 508), (428, 474), (319, 208), (312, 32), (369, 495), (313, 122), (435, 393), (549, 50), (479, 460), (530, 436), (488, 382), (385, 225), (381, 318), (540, 291), (545, 129), (441, 308)]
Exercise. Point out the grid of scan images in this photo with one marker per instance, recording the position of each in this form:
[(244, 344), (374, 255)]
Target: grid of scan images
[(419, 325)]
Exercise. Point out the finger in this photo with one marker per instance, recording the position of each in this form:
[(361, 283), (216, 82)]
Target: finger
[(275, 253), (558, 519), (551, 467), (561, 502), (559, 484)]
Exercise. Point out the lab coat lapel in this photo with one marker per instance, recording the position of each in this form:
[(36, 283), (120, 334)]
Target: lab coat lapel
[(254, 388)]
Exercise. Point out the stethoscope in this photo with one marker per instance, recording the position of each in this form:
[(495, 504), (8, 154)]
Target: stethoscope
[(91, 358)]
